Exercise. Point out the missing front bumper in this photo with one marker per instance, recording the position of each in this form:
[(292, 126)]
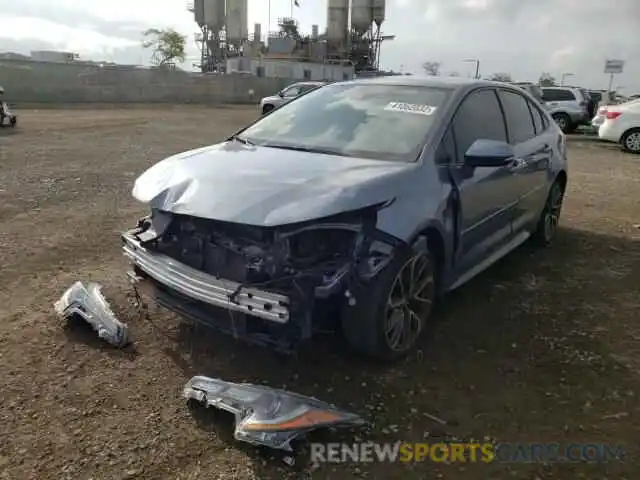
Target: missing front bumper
[(206, 288)]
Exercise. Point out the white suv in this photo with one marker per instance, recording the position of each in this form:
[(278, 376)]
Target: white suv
[(569, 106)]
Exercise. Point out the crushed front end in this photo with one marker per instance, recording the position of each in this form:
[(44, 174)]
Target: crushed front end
[(258, 283)]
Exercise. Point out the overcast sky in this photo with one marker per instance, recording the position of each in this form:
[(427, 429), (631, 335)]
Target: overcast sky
[(522, 37)]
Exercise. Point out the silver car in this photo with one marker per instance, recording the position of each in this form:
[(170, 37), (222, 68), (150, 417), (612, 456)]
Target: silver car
[(287, 94), (569, 106)]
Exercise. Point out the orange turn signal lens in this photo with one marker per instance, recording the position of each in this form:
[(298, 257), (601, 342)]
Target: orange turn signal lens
[(308, 419)]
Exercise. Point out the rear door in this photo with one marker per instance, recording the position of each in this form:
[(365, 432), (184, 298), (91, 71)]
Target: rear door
[(526, 133), (488, 195)]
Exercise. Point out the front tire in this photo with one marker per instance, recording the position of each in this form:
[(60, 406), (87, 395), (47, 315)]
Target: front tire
[(392, 309), (630, 141), (550, 217), (266, 109)]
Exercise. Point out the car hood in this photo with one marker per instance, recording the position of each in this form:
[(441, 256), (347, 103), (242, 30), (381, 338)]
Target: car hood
[(267, 186)]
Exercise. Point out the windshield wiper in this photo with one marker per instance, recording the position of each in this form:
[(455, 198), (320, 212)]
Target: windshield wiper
[(300, 148), (238, 138)]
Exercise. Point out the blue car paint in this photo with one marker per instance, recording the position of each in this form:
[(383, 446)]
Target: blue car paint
[(478, 214)]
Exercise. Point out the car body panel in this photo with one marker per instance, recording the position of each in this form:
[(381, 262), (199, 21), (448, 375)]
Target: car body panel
[(277, 187)]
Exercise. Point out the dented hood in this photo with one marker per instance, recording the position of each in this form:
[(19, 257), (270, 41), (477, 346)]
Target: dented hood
[(267, 186)]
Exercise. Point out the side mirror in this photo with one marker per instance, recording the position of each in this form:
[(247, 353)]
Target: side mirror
[(281, 93), (488, 153)]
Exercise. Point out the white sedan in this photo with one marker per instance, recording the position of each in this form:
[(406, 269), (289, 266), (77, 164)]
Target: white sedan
[(621, 124)]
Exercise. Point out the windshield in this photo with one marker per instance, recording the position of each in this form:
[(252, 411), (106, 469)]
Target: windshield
[(385, 122)]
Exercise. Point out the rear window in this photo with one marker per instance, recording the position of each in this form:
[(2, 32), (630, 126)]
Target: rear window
[(386, 122)]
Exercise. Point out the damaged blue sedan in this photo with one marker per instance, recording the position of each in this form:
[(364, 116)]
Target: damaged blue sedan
[(367, 198)]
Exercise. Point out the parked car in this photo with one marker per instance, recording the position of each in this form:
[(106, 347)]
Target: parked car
[(370, 198), (569, 106), (622, 125), (601, 116), (287, 94)]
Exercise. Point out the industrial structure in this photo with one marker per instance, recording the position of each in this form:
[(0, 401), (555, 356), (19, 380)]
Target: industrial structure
[(351, 42)]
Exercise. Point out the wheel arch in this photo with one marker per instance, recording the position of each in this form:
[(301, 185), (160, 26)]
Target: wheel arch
[(562, 178), (434, 234)]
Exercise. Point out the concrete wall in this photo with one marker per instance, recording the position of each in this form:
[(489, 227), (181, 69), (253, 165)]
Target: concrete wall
[(44, 82), (292, 69)]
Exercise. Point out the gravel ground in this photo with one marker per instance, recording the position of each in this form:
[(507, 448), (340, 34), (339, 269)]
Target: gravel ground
[(543, 347)]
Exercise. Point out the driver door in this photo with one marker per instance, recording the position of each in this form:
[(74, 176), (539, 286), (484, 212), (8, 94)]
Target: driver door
[(488, 196)]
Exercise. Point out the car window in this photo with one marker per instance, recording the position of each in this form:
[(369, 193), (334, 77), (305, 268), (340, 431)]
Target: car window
[(538, 119), (306, 88), (518, 116), (386, 122), (292, 91), (478, 117), (557, 95)]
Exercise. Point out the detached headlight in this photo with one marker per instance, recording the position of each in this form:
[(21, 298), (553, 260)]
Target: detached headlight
[(265, 415)]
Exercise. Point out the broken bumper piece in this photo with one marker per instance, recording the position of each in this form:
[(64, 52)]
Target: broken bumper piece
[(267, 416), (206, 288), (87, 302)]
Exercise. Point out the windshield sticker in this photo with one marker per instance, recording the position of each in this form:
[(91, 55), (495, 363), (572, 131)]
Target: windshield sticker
[(410, 108)]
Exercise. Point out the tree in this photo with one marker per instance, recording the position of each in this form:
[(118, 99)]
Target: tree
[(167, 46), (501, 77), (432, 68), (547, 80)]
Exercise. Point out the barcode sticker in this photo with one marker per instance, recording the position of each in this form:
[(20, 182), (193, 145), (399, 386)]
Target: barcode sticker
[(410, 108)]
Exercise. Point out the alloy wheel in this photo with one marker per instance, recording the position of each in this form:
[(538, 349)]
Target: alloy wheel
[(632, 142), (409, 303)]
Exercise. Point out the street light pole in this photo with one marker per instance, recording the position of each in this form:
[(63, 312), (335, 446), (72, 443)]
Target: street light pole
[(477, 62)]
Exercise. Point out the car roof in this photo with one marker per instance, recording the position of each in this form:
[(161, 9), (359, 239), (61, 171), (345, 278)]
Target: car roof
[(564, 87)]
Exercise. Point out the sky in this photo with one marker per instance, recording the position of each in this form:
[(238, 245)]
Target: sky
[(521, 37)]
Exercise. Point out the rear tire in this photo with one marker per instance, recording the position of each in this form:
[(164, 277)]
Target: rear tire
[(564, 122), (550, 217), (392, 310), (630, 140)]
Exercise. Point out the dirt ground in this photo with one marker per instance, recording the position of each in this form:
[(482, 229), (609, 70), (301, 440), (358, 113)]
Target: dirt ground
[(543, 347)]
